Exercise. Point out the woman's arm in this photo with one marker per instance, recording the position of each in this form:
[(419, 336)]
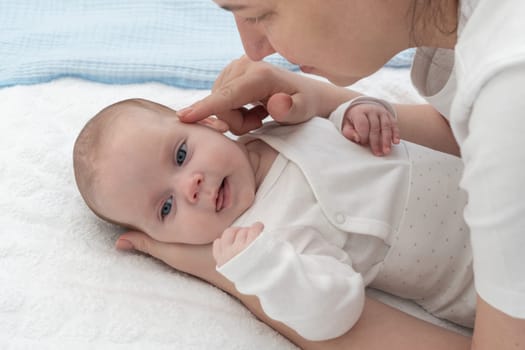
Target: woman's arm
[(493, 178), (293, 98), (496, 330), (379, 327), (424, 125)]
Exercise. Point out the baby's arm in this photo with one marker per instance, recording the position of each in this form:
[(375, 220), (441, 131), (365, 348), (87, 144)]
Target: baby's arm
[(368, 120), (379, 327), (371, 121), (301, 280), (424, 125), (233, 241)]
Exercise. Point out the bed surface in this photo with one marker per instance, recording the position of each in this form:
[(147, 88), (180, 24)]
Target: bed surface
[(63, 285)]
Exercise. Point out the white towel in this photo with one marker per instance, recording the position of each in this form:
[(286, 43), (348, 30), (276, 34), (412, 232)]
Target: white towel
[(63, 285)]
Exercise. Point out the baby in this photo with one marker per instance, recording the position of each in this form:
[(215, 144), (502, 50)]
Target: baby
[(298, 215)]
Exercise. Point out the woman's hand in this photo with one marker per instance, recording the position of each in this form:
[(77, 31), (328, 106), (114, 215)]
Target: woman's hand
[(290, 98), (196, 260)]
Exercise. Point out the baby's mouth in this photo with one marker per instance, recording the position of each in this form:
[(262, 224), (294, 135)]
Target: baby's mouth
[(223, 196)]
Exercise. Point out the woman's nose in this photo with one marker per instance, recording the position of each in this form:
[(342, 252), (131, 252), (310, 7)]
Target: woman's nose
[(254, 40), (193, 187)]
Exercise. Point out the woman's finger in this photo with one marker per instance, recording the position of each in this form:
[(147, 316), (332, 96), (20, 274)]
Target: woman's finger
[(244, 89), (170, 253)]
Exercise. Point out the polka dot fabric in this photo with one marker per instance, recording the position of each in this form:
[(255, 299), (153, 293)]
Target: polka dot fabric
[(430, 260)]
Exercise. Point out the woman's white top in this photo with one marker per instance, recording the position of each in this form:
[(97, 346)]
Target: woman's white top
[(480, 88)]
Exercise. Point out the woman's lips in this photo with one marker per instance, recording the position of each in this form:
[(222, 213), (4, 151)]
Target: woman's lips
[(306, 69)]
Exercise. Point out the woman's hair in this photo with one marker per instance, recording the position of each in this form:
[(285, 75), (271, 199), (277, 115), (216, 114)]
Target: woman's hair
[(424, 13)]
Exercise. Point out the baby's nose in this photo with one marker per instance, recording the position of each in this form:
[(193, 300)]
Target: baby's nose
[(193, 187)]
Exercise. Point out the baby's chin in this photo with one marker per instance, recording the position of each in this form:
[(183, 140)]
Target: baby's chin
[(196, 238)]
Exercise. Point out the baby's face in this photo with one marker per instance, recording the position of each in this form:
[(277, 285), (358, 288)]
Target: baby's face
[(176, 182)]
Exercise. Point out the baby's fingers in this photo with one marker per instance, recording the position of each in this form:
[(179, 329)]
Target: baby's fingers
[(229, 235), (386, 133), (254, 231), (396, 136), (389, 132), (375, 137), (221, 245), (217, 251), (350, 133), (233, 241), (356, 128), (246, 235)]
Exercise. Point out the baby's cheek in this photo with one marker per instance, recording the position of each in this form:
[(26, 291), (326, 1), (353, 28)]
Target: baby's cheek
[(211, 229)]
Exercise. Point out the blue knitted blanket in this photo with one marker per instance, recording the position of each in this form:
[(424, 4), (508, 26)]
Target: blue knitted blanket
[(184, 43)]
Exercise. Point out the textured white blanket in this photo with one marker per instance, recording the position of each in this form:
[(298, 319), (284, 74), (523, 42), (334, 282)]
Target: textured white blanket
[(63, 285)]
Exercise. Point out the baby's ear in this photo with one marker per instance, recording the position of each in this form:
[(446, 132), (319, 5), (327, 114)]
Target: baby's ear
[(215, 123)]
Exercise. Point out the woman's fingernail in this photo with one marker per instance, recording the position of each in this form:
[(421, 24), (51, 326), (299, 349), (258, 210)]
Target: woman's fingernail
[(124, 244)]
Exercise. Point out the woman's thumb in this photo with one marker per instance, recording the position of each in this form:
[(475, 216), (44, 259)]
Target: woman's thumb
[(134, 240), (287, 109)]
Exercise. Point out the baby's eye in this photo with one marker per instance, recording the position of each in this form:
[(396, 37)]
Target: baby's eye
[(181, 154), (166, 207)]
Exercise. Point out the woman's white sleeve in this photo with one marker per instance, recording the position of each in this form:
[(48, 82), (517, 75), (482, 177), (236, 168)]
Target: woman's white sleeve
[(300, 280), (494, 156)]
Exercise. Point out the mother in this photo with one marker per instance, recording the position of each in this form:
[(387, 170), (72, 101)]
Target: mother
[(470, 66)]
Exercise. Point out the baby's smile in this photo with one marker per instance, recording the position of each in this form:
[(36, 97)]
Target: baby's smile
[(223, 199)]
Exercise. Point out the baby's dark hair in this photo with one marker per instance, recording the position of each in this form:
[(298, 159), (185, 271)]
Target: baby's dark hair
[(91, 140)]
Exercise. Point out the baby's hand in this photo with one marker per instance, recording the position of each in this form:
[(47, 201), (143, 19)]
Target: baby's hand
[(371, 124), (233, 241)]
